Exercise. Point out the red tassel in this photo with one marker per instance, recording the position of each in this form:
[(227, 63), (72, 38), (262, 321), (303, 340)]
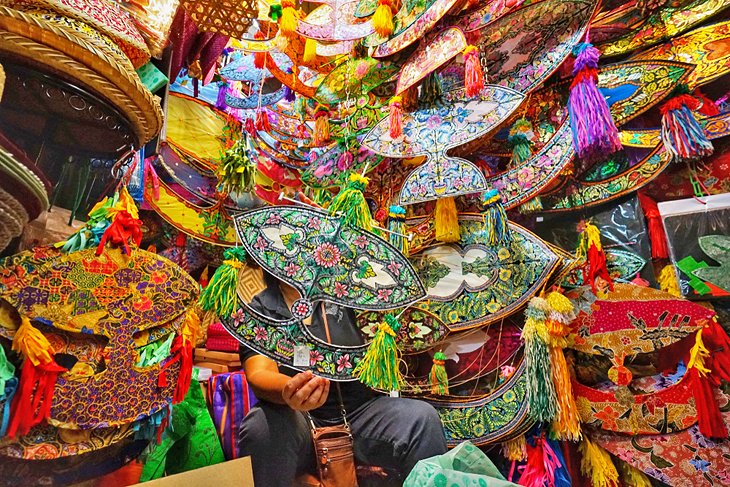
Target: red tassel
[(250, 126), (473, 74), (591, 249), (709, 417), (708, 107), (395, 117), (657, 237), (121, 230), (32, 402), (259, 60), (262, 120), (718, 343)]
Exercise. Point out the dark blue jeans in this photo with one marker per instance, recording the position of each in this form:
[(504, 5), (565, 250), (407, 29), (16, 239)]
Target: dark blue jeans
[(392, 433)]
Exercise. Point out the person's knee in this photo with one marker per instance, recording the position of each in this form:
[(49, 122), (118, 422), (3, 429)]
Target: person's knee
[(272, 426), (422, 416)]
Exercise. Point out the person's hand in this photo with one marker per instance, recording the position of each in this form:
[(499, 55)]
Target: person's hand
[(305, 391)]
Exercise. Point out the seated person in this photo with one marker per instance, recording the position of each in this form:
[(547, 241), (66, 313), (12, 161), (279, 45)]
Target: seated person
[(391, 433)]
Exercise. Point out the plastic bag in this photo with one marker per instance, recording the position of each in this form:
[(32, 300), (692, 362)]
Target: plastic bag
[(464, 466)]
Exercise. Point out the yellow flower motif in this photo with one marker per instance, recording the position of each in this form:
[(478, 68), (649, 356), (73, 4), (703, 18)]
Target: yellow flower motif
[(453, 316), (505, 274), (494, 306), (503, 253)]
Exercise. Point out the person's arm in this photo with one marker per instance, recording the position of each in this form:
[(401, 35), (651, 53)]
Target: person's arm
[(303, 392)]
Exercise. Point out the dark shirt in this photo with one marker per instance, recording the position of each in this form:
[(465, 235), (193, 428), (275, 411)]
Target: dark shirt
[(342, 330)]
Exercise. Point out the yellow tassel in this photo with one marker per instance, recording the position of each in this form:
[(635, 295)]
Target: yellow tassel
[(383, 18), (560, 303), (447, 220), (310, 50), (596, 464), (191, 328), (633, 477), (289, 19), (2, 81), (698, 354), (668, 281), (590, 236), (515, 449), (31, 343)]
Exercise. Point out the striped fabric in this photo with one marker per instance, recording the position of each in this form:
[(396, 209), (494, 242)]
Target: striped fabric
[(230, 399)]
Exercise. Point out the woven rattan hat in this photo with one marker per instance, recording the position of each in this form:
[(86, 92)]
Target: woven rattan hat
[(64, 50)]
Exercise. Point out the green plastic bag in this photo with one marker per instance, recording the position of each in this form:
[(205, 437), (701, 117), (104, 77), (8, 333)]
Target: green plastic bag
[(191, 443), (464, 466)]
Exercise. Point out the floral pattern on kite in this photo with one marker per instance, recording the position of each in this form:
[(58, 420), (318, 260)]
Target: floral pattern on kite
[(451, 122), (112, 295), (439, 178), (277, 341), (499, 416), (324, 259), (525, 47), (473, 284)]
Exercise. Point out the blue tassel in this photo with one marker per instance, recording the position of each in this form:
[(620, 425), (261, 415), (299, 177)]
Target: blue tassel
[(397, 225), (498, 232)]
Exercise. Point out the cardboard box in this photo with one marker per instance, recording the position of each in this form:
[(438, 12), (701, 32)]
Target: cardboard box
[(236, 473)]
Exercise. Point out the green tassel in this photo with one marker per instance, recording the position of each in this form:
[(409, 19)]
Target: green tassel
[(498, 232), (439, 378), (541, 397), (351, 205), (397, 227), (431, 89), (520, 139), (531, 206), (220, 294), (380, 367)]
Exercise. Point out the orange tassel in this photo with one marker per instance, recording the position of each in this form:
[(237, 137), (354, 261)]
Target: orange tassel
[(383, 18), (289, 19), (473, 74), (395, 117)]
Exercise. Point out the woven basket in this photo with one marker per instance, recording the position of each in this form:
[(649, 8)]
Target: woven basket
[(228, 17), (40, 43)]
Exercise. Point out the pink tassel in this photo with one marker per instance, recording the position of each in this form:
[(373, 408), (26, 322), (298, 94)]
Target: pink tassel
[(473, 74), (395, 117)]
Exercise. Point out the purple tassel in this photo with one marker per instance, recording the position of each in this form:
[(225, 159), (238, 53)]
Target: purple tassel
[(289, 94), (594, 132), (220, 102)]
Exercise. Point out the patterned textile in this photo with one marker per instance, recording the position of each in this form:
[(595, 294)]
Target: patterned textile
[(102, 15), (220, 340), (112, 296), (633, 319), (683, 459), (324, 259), (230, 400), (617, 409)]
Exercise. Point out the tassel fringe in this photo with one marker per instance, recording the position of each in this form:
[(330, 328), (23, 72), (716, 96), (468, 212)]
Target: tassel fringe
[(438, 376), (498, 232), (473, 73), (515, 449), (446, 220), (395, 117), (351, 205), (380, 366), (597, 465), (397, 226), (668, 281), (220, 295), (383, 18)]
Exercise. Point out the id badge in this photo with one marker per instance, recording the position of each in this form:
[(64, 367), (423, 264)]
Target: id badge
[(301, 356)]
